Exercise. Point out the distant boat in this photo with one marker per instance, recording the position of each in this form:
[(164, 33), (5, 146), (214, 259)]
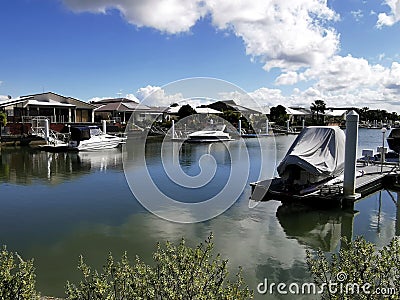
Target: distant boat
[(91, 138), (212, 133)]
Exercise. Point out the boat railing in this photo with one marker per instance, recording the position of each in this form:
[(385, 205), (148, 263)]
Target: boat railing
[(55, 138)]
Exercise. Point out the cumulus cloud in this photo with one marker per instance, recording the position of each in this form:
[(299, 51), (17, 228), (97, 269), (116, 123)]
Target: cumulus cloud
[(156, 96), (281, 34), (171, 16), (393, 17)]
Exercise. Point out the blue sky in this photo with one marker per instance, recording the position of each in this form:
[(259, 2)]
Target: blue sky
[(291, 52)]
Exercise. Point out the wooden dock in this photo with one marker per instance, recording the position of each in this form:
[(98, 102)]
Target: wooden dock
[(370, 178)]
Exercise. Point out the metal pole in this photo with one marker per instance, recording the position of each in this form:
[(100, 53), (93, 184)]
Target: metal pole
[(303, 122), (46, 130), (383, 130), (287, 126), (173, 129), (349, 181), (240, 127), (104, 126), (267, 126)]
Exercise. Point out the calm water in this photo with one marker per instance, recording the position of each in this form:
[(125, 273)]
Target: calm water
[(55, 207)]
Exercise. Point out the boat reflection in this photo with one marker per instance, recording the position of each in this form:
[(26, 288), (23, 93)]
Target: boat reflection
[(316, 229), (29, 165)]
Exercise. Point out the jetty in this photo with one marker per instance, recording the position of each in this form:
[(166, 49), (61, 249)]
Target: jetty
[(310, 155), (372, 178)]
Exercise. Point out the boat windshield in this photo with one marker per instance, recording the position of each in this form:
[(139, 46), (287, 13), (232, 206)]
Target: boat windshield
[(216, 127), (95, 131)]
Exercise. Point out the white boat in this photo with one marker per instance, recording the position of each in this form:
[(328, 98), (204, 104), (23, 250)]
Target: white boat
[(213, 133), (91, 138)]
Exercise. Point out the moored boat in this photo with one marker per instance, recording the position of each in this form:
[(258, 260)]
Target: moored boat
[(213, 133), (91, 138), (393, 140)]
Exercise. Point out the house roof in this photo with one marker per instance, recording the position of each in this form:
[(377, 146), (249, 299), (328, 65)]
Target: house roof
[(295, 112), (55, 97), (123, 106), (51, 103), (206, 110), (336, 112)]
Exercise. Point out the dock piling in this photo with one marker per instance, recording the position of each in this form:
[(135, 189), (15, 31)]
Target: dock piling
[(350, 158), (46, 131), (104, 126)]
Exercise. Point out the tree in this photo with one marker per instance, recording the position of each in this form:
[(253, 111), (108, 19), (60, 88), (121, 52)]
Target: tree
[(357, 269), (17, 277), (178, 272), (318, 106), (185, 111), (278, 114)]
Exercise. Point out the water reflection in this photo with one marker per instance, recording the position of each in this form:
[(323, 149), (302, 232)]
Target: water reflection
[(316, 229), (26, 165), (57, 206)]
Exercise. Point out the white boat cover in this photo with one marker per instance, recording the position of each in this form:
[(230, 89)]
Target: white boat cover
[(318, 150)]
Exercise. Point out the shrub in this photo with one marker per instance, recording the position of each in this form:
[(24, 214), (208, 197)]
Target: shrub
[(179, 272), (17, 282), (358, 271)]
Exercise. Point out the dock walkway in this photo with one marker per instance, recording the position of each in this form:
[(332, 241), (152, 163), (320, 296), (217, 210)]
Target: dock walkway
[(370, 178)]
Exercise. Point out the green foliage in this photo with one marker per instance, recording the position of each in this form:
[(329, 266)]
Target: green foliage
[(318, 106), (358, 264), (179, 272), (278, 114), (3, 119), (17, 277), (185, 111)]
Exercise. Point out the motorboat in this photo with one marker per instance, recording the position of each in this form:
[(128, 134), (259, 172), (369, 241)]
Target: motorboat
[(212, 133), (315, 158), (393, 140), (316, 155), (91, 138)]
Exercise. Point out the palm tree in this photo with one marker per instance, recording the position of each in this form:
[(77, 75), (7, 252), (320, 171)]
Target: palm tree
[(318, 106)]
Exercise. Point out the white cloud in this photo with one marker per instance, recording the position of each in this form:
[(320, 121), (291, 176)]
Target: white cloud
[(288, 78), (156, 96), (391, 18), (284, 34), (171, 16)]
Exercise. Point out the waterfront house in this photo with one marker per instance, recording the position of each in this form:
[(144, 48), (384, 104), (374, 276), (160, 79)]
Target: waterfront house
[(120, 110), (58, 108)]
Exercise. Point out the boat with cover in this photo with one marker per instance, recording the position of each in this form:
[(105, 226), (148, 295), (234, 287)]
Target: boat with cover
[(91, 138), (212, 133), (393, 140), (315, 157)]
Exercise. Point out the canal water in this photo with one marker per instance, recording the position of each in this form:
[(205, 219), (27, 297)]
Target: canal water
[(56, 206)]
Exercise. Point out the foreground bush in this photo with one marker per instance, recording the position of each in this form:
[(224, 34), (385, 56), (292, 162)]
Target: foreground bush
[(17, 277), (179, 272), (358, 271)]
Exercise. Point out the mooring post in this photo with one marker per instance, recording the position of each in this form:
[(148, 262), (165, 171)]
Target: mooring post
[(104, 126), (267, 127), (350, 156), (303, 122), (46, 130), (240, 127), (173, 129), (383, 130), (287, 126)]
